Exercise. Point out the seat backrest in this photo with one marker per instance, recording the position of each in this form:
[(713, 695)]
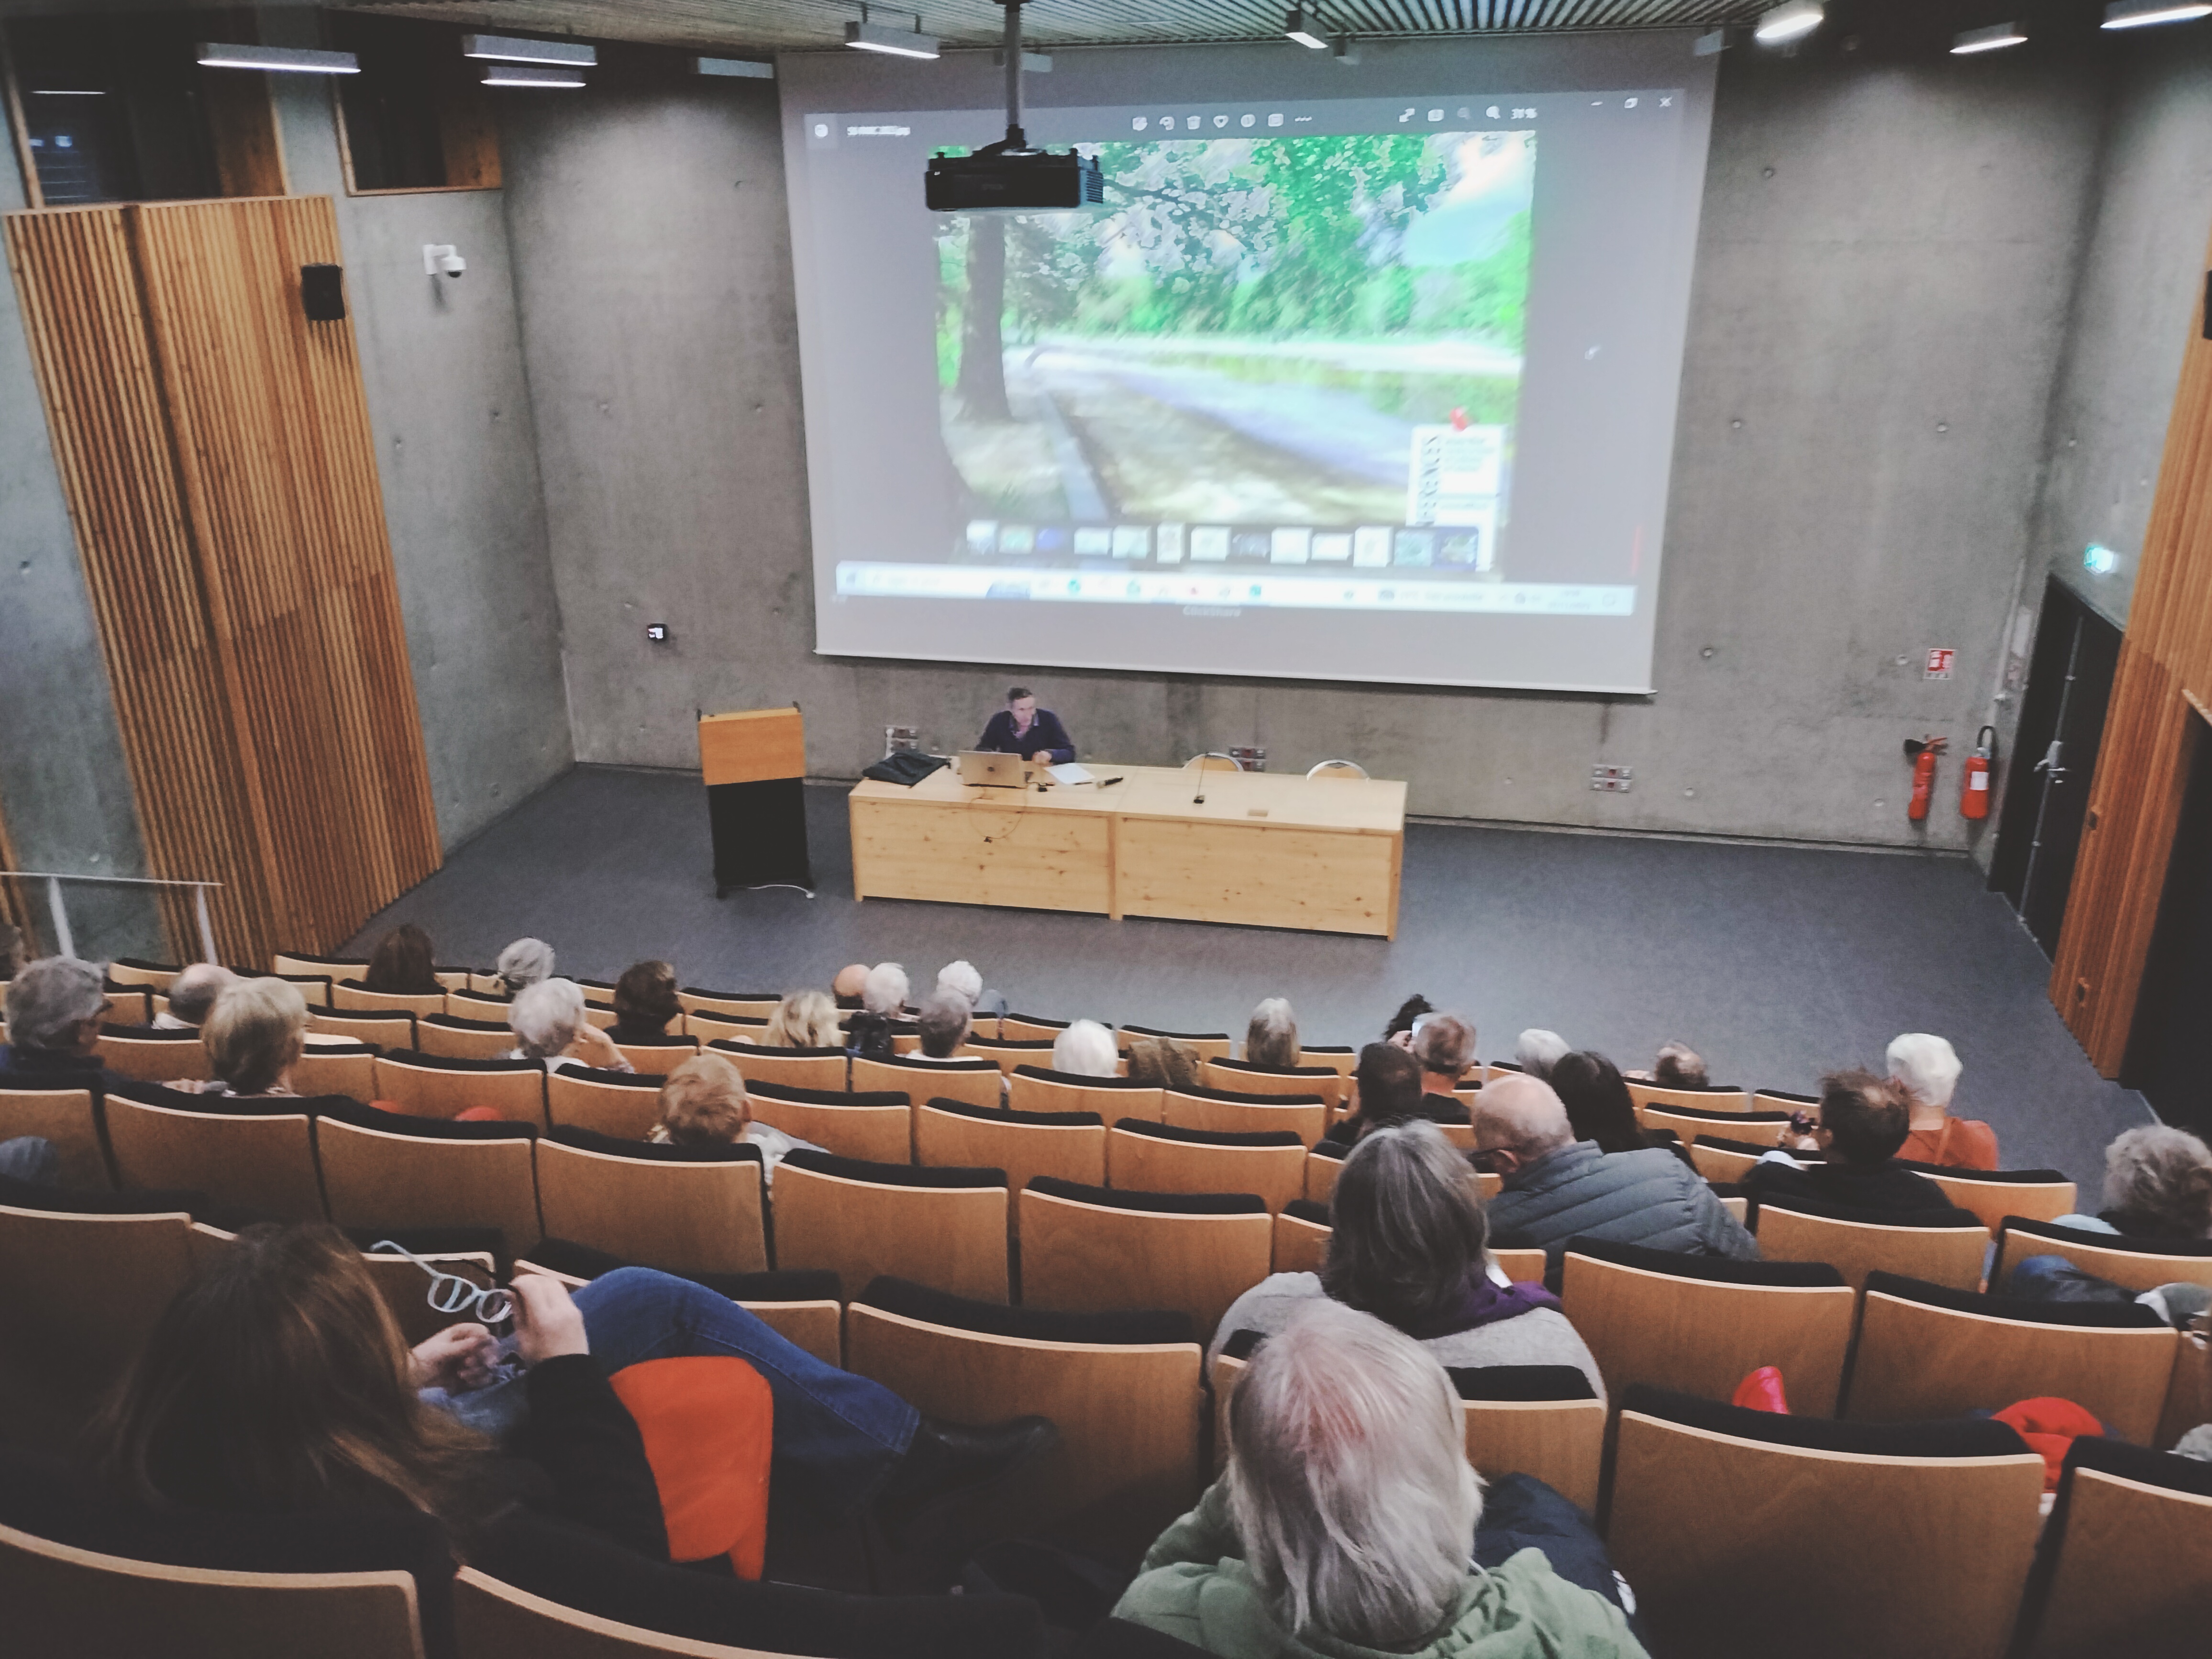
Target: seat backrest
[(1070, 1146), (1993, 1195), (1038, 1089), (1207, 1045), (345, 993), (324, 1068), (384, 1028), (2134, 1264), (975, 1082), (405, 1289), (682, 1215), (1942, 1255), (453, 1036), (1695, 1325), (1030, 1027), (1703, 1100), (408, 1176), (1301, 1241), (1341, 1060), (80, 1292), (239, 1160), (708, 1024), (1732, 1537), (470, 1004), (1321, 1171), (424, 1086), (1090, 1249), (492, 1621), (130, 970), (61, 1600), (153, 1056), (1692, 1124), (1922, 1353), (1007, 1053), (745, 1005), (67, 1118), (795, 1068), (1239, 1112), (1123, 1391), (618, 1104), (946, 1228), (287, 963), (2124, 1568), (1782, 1101), (1520, 1266), (660, 1057), (1151, 1158), (1240, 1077), (877, 1128), (1724, 1161)]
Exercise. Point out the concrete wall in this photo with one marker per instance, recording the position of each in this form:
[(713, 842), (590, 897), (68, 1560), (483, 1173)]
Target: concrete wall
[(2142, 275), (1886, 261)]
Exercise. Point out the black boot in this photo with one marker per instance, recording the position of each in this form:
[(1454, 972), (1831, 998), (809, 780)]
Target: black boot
[(947, 1462)]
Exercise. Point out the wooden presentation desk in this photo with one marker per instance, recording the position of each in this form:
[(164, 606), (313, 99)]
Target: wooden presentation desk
[(1266, 850)]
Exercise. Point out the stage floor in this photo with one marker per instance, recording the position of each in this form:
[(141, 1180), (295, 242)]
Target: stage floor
[(1775, 963)]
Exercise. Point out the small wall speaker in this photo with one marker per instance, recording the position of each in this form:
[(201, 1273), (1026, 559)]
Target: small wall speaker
[(322, 293)]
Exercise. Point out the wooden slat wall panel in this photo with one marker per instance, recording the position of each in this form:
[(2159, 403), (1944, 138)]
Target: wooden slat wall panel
[(2134, 800), (216, 450)]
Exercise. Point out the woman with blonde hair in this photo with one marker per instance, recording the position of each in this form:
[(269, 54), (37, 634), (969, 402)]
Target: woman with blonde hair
[(253, 1036), (805, 1019)]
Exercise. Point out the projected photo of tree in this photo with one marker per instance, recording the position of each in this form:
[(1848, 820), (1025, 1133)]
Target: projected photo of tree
[(1253, 331)]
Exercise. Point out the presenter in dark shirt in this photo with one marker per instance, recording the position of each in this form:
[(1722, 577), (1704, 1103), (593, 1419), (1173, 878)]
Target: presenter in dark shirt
[(1023, 728)]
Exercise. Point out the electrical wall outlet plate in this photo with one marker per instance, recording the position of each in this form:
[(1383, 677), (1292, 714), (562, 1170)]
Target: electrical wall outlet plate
[(1614, 779)]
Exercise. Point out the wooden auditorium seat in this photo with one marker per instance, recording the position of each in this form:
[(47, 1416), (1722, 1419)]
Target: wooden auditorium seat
[(256, 1155), (623, 1105), (1030, 1027), (454, 1036), (1337, 1057), (1207, 1045), (1241, 1077), (1067, 1145), (1323, 1162), (490, 1007), (386, 1170), (681, 1209), (877, 1128), (336, 1068), (383, 1028), (708, 1026), (973, 1082), (1693, 1124), (944, 1227), (745, 1005), (1088, 1249), (152, 1055), (1724, 1161), (792, 1068), (1696, 1324), (1715, 1099), (345, 993), (131, 971), (1122, 1388), (83, 1276), (1236, 1111), (1750, 1533), (2125, 1566), (1928, 1351), (1007, 1053), (1301, 1238), (287, 964), (1039, 1089), (2136, 1264), (1158, 1158), (68, 1118), (1941, 1252), (429, 1086), (658, 1056), (1993, 1195), (1771, 1101)]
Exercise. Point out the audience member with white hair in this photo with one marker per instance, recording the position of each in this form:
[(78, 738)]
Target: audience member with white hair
[(55, 1008), (191, 995), (1271, 1037), (1536, 1050), (2157, 1187), (883, 1007), (1556, 1187), (1344, 1524), (550, 1027), (962, 980), (1927, 1068), (1085, 1049), (1410, 1244), (523, 964)]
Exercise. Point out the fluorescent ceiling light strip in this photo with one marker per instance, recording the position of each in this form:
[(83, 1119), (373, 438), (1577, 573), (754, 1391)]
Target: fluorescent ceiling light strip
[(897, 42), (531, 75), (1997, 35), (296, 59), (745, 69), (69, 92), (1788, 22), (1297, 28), (508, 49), (2139, 13)]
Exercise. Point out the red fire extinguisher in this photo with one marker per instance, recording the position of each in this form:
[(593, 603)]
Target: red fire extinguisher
[(1974, 795), (1923, 751)]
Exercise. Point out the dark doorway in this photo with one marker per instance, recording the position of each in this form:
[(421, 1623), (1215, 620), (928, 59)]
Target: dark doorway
[(2166, 1057), (2062, 722)]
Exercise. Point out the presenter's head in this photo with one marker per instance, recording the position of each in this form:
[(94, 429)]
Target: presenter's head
[(1021, 703)]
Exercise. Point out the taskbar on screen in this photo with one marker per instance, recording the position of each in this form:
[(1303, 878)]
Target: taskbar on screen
[(860, 579)]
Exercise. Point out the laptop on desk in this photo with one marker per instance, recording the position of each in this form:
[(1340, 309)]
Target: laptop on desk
[(983, 769)]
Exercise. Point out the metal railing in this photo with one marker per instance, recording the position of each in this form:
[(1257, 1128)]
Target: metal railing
[(65, 942)]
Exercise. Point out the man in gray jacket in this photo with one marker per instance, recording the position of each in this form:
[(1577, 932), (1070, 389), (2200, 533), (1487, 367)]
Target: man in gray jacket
[(1557, 1188)]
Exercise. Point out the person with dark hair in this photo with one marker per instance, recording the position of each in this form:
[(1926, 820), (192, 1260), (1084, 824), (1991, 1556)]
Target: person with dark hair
[(1023, 728), (401, 964), (1410, 1244), (1409, 1012), (1680, 1066), (1863, 1121), (1599, 1107), (1389, 1084), (645, 1001)]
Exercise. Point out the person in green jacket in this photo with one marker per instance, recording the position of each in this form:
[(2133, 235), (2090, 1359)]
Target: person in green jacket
[(1343, 1527)]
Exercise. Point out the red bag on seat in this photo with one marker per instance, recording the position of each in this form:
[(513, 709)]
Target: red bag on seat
[(709, 1424), (2050, 1425), (1761, 1391)]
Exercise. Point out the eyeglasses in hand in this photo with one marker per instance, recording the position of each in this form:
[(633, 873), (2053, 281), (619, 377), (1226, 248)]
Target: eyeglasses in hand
[(450, 1293)]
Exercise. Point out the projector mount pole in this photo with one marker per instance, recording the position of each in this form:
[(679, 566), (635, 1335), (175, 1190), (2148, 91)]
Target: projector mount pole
[(1016, 138)]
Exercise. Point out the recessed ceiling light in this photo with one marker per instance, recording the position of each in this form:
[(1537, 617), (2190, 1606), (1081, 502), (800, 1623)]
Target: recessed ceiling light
[(1992, 39), (531, 74), (1791, 21), (296, 59), (1297, 26), (509, 49), (2137, 13)]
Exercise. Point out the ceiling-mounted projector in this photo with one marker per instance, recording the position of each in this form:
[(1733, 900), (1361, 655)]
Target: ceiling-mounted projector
[(1009, 177)]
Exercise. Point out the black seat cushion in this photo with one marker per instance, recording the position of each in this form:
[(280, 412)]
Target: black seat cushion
[(1705, 1114), (1008, 1116), (730, 1045), (1146, 1127), (78, 1201), (1520, 1382), (1754, 1148), (1993, 1177), (1077, 1080), (799, 1096), (733, 996), (2094, 1315), (182, 1100), (1945, 1215), (2022, 1228), (1114, 1198), (973, 1063), (429, 1129), (1276, 1070), (452, 1063), (1335, 1151), (890, 1175), (1716, 1269), (1306, 1210), (590, 1140), (934, 1307), (612, 1079), (1180, 1036), (1962, 1436), (458, 1022), (791, 1284)]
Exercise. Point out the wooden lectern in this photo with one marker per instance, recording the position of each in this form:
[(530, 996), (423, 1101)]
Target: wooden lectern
[(755, 765)]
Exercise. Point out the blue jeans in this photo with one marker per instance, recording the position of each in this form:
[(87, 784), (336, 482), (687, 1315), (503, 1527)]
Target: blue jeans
[(32, 1159), (837, 1435)]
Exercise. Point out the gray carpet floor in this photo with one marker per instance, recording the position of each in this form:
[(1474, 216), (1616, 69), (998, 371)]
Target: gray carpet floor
[(1776, 963)]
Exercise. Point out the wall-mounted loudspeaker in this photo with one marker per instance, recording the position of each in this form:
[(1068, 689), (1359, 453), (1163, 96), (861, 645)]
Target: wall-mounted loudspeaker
[(322, 293)]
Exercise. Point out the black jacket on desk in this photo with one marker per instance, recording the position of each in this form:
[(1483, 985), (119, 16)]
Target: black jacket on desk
[(1886, 1185), (1045, 732)]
